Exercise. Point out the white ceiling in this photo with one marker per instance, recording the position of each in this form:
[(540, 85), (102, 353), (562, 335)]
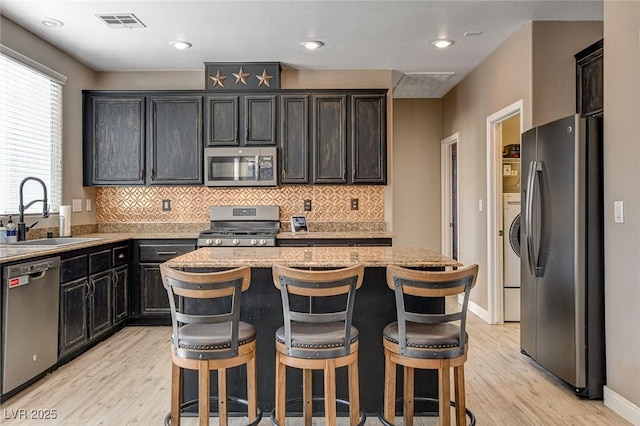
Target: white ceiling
[(391, 34)]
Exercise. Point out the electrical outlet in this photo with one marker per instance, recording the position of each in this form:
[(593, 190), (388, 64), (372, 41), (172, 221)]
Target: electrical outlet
[(87, 204), (76, 205), (354, 204), (166, 205), (307, 205)]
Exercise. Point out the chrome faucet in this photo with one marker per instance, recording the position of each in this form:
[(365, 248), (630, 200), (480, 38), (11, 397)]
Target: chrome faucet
[(22, 229)]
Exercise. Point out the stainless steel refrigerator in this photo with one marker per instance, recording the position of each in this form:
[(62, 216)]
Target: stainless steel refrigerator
[(562, 253)]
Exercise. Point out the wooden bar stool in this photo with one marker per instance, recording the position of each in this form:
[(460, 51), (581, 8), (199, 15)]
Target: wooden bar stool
[(205, 341), (427, 341), (322, 340)]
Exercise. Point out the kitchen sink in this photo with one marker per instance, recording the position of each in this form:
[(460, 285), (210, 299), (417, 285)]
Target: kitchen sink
[(48, 242)]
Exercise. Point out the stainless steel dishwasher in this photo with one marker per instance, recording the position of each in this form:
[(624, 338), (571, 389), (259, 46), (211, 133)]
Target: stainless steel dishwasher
[(31, 295)]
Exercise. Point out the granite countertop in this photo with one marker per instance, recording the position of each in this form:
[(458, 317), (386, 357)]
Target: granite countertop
[(265, 257), (11, 253), (333, 235)]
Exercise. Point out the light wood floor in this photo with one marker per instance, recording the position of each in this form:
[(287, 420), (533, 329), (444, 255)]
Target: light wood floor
[(125, 381)]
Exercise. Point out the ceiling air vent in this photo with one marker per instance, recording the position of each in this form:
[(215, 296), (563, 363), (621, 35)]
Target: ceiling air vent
[(121, 20), (421, 85)]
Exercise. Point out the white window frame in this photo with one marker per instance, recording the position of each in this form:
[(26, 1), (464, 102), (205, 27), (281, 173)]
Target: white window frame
[(15, 164)]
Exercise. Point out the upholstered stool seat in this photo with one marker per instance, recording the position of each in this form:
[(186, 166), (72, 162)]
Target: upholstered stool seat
[(427, 341), (211, 338), (321, 340)]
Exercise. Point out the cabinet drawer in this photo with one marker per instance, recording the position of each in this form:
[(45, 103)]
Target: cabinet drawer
[(73, 268), (120, 256), (99, 261), (163, 252)]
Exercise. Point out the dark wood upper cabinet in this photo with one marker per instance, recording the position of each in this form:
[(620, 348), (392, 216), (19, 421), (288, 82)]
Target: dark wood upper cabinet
[(138, 138), (329, 138), (114, 140), (175, 140), (242, 119), (294, 138), (368, 139), (590, 80)]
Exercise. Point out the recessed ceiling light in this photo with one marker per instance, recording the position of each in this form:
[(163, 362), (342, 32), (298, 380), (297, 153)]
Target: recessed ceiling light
[(50, 22), (442, 43), (180, 45), (312, 44)]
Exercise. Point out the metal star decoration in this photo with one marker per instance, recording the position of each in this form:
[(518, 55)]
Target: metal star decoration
[(218, 80), (264, 78), (241, 77)]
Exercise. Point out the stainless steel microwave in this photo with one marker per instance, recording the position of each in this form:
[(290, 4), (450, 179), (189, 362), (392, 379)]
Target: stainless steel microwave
[(241, 166)]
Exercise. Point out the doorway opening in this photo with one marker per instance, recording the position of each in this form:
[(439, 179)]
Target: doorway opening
[(449, 190), (502, 177)]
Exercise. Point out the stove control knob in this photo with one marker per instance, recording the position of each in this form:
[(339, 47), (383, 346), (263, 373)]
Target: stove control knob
[(235, 242), (254, 242), (208, 241), (218, 242), (263, 242)]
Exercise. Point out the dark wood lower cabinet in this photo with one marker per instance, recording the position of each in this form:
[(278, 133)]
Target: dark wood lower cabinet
[(100, 307), (153, 300), (73, 315), (120, 294), (94, 296)]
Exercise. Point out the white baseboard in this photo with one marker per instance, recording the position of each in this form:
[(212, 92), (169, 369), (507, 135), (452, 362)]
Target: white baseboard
[(479, 311), (622, 406)]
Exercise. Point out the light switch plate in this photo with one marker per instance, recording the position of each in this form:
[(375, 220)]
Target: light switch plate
[(77, 205), (87, 204)]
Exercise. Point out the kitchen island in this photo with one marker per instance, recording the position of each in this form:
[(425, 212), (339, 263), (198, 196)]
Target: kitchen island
[(374, 309)]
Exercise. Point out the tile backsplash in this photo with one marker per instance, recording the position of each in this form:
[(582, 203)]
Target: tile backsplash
[(190, 204)]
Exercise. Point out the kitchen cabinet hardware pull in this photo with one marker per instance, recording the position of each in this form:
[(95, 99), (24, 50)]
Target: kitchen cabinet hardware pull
[(121, 256), (165, 253), (153, 174)]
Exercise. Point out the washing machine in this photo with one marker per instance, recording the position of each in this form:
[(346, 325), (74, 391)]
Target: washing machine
[(511, 261)]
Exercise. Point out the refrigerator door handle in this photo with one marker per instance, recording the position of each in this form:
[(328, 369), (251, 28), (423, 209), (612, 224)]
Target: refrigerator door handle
[(536, 180), (528, 216)]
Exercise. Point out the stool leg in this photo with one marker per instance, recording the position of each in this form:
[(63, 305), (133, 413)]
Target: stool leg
[(461, 414), (444, 395), (252, 389), (281, 389), (203, 393), (354, 392), (330, 392), (389, 388), (408, 396), (223, 415), (307, 400), (176, 385)]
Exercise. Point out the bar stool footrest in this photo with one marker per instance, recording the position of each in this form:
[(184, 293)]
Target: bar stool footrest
[(469, 413), (214, 403), (274, 422)]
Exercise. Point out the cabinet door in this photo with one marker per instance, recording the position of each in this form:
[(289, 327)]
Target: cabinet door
[(73, 315), (120, 294), (175, 140), (259, 120), (153, 296), (221, 120), (329, 138), (294, 138), (368, 139), (100, 304), (114, 140)]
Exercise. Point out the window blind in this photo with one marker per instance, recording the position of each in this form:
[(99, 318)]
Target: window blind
[(30, 133)]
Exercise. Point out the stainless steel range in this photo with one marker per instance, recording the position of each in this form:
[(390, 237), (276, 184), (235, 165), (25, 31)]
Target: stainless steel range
[(242, 226)]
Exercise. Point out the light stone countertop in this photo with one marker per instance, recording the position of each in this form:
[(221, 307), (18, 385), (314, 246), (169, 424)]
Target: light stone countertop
[(333, 235), (265, 257), (11, 253)]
